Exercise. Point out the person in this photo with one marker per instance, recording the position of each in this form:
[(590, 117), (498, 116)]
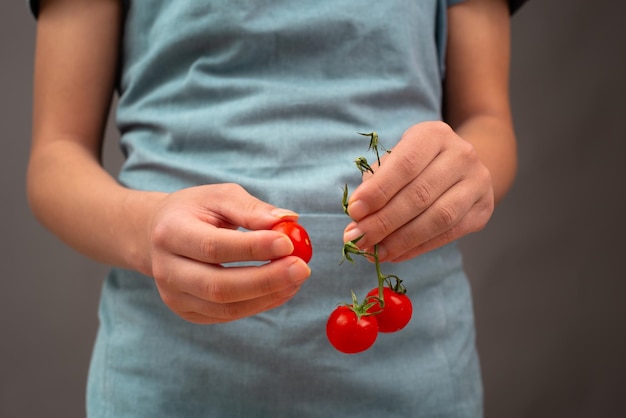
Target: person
[(232, 116)]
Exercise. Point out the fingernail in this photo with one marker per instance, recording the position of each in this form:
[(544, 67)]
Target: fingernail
[(283, 213), (282, 247), (351, 233), (298, 271), (358, 210)]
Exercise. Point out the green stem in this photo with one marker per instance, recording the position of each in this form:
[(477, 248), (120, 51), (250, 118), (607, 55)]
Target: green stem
[(381, 277)]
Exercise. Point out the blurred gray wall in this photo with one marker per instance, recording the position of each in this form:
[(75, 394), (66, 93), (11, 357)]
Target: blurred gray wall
[(547, 272)]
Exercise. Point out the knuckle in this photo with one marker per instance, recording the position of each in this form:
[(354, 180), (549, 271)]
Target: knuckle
[(467, 151), (444, 216), (385, 224), (230, 311), (161, 234), (420, 195), (379, 191), (253, 205), (250, 203), (437, 129), (405, 241), (250, 251), (485, 210), (488, 206), (228, 188), (485, 176), (267, 283), (406, 164), (216, 292), (429, 128), (477, 227), (448, 235), (222, 194), (278, 298), (209, 249), (440, 127)]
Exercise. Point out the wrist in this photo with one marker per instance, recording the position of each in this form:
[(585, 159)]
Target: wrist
[(139, 208)]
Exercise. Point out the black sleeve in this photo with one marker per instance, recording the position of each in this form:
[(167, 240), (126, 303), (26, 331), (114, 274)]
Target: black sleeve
[(34, 7), (514, 5)]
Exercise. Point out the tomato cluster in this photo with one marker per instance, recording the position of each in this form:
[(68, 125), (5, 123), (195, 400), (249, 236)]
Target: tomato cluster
[(354, 328)]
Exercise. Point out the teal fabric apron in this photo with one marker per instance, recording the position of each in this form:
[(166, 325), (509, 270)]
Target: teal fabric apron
[(270, 94)]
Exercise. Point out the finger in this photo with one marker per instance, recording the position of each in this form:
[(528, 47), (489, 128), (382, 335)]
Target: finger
[(455, 215), (407, 160), (451, 235), (206, 243), (200, 311), (237, 283)]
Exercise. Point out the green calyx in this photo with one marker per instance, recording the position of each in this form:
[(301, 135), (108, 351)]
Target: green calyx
[(361, 309)]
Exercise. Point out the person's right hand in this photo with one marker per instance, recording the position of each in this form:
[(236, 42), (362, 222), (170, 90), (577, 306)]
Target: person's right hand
[(193, 233)]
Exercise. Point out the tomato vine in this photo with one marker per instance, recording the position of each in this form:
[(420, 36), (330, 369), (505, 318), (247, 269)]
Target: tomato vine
[(352, 328)]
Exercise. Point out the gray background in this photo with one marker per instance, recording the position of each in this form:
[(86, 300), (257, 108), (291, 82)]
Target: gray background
[(546, 273)]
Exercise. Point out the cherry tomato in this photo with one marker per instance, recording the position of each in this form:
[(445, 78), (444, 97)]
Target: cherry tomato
[(396, 313), (299, 237), (350, 333)]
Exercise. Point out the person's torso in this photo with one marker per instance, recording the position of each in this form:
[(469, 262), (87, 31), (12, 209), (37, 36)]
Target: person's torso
[(271, 94)]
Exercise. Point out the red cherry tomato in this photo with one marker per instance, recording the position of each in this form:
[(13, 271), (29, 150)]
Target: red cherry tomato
[(396, 313), (299, 237), (350, 333)]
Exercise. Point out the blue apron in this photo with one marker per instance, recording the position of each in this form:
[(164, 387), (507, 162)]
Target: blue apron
[(270, 94)]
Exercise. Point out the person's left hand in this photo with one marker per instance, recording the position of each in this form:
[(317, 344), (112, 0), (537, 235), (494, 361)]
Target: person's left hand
[(429, 191)]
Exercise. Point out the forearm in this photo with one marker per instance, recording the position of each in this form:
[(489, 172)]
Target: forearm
[(68, 190), (75, 198), (494, 141), (476, 85)]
